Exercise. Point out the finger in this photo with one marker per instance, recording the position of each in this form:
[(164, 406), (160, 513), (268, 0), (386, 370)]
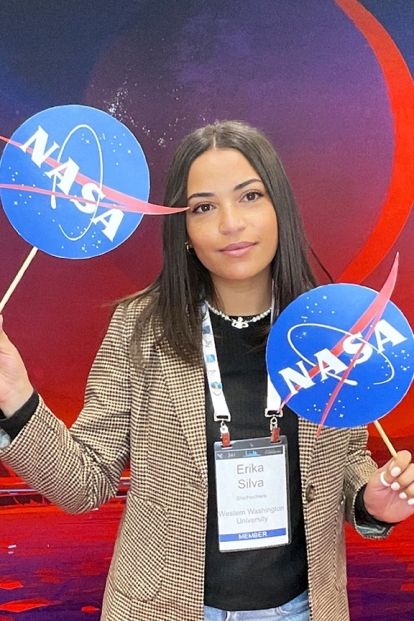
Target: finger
[(408, 494), (398, 465), (2, 332), (407, 477), (385, 480), (3, 335), (5, 343), (390, 473)]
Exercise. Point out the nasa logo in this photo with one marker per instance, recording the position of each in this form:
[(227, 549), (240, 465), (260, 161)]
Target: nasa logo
[(314, 342), (69, 155)]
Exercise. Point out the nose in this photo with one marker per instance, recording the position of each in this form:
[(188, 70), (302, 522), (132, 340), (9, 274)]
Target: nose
[(231, 219)]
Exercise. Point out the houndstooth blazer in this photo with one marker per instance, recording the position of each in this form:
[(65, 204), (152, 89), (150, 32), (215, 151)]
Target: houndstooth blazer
[(155, 418)]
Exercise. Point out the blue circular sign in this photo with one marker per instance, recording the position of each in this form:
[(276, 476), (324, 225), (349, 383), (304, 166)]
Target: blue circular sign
[(323, 333), (66, 170)]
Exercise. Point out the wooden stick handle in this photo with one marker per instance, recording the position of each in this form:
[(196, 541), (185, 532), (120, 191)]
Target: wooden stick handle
[(385, 438), (18, 278)]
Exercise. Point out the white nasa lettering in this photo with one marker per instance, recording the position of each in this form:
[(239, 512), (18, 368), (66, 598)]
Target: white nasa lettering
[(350, 347), (329, 364), (88, 191), (112, 219), (390, 334), (39, 140), (382, 329), (296, 380), (66, 174)]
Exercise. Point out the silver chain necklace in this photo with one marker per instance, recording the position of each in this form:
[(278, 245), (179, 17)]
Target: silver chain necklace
[(240, 322)]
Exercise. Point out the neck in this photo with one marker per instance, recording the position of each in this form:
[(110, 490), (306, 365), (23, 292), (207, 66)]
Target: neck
[(242, 298)]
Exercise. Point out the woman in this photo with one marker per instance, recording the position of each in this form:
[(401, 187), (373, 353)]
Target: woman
[(239, 248)]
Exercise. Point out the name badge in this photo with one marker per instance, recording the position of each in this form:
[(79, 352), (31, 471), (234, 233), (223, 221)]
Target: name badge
[(252, 494)]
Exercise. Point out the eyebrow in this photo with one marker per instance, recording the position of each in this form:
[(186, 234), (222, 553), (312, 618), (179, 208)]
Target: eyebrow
[(239, 186)]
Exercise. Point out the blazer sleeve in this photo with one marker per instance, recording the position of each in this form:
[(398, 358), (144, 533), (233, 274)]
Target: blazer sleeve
[(359, 468), (79, 469)]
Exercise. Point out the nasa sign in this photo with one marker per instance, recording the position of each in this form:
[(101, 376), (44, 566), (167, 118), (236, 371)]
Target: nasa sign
[(319, 350), (56, 172)]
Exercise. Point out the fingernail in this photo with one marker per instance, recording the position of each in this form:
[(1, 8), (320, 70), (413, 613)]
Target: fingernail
[(396, 471), (410, 501), (395, 486), (403, 496)]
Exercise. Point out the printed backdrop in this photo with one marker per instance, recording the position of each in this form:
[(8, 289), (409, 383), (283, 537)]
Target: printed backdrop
[(329, 81)]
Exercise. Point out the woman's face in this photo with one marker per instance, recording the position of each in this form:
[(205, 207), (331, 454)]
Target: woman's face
[(231, 222)]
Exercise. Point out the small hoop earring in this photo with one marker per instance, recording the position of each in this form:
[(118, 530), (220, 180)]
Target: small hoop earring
[(188, 247)]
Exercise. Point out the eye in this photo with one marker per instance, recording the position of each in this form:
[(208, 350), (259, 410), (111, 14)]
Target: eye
[(252, 195), (202, 208)]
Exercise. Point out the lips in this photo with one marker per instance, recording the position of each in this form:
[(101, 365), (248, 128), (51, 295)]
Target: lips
[(237, 246), (238, 249)]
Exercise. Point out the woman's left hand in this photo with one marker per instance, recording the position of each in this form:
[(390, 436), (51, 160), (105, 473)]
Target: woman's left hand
[(389, 494)]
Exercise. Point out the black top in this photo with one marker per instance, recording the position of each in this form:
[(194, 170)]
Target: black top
[(251, 579)]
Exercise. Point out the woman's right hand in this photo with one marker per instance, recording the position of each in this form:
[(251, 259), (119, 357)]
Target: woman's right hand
[(15, 387)]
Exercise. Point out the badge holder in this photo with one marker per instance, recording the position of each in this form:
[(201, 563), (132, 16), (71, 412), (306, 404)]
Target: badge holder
[(252, 487)]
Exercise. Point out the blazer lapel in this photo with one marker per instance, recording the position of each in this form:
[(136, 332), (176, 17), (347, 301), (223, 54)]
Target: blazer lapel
[(325, 448), (307, 443), (185, 383)]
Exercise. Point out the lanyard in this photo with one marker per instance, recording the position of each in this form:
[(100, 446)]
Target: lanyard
[(221, 412)]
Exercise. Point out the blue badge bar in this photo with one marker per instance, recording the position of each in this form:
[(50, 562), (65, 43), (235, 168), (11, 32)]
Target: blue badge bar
[(256, 534)]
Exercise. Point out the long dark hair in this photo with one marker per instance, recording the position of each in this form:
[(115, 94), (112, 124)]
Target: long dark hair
[(173, 300)]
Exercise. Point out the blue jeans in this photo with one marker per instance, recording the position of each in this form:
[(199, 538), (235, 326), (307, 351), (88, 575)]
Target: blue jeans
[(295, 610)]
